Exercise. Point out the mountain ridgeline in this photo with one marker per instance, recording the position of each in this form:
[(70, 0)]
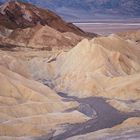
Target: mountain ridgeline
[(17, 14)]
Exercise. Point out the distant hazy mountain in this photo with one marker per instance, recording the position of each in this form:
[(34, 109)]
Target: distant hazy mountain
[(87, 9)]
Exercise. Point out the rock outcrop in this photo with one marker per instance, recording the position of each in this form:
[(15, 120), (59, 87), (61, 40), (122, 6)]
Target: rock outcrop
[(15, 14), (30, 107), (133, 36), (104, 66), (38, 69), (40, 37)]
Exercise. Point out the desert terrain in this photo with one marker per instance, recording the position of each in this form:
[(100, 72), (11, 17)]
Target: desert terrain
[(59, 82), (108, 26)]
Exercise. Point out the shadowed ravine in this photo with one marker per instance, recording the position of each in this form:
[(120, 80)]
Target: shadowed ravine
[(107, 117)]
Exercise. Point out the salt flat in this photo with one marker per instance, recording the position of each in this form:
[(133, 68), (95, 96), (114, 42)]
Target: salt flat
[(105, 28)]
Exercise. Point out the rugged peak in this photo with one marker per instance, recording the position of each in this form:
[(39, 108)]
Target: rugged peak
[(24, 15), (16, 14), (7, 5)]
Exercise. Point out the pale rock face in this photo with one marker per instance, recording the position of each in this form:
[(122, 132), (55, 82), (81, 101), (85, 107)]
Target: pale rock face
[(14, 64), (4, 32), (130, 106), (131, 36), (40, 70), (107, 67), (30, 105), (104, 66)]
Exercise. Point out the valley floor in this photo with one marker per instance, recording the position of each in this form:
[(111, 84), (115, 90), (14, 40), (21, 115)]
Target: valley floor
[(104, 116), (108, 27)]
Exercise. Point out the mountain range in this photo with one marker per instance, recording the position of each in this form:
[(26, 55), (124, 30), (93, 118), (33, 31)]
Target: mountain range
[(23, 24), (91, 9), (15, 14), (58, 82)]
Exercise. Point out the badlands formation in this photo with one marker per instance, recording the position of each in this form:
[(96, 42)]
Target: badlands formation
[(61, 85), (51, 94), (104, 66)]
